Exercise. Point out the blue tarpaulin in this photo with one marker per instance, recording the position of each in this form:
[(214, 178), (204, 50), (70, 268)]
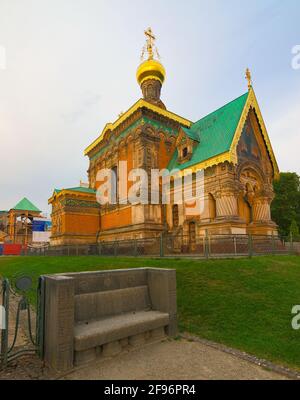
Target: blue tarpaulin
[(38, 226)]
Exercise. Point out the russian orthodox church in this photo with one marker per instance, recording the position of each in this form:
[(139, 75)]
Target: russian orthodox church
[(231, 145)]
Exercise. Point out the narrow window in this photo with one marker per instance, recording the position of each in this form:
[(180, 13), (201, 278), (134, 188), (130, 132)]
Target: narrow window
[(115, 184), (175, 213)]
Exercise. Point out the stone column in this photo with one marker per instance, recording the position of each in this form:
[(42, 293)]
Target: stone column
[(59, 322), (226, 204), (261, 209)]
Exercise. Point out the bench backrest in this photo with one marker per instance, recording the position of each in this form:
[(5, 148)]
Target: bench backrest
[(93, 306)]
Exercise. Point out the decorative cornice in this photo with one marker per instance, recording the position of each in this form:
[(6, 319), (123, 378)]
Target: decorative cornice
[(75, 194), (74, 203), (138, 105), (210, 162)]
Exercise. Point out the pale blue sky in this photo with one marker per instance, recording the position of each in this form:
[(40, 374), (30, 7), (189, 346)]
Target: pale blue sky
[(70, 69)]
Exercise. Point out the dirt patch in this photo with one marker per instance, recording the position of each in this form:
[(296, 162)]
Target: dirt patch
[(26, 368)]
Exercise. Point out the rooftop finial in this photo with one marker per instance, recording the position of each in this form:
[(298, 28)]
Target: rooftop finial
[(249, 78), (150, 47)]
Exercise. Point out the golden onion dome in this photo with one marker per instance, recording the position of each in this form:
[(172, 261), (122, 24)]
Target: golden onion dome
[(150, 69)]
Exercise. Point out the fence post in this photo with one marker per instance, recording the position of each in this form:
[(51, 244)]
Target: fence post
[(40, 317), (115, 248), (135, 247), (273, 244), (235, 246), (206, 244), (99, 249), (4, 332), (250, 246), (162, 245), (291, 243)]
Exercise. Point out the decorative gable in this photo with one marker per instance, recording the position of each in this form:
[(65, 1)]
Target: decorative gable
[(252, 147), (186, 143)]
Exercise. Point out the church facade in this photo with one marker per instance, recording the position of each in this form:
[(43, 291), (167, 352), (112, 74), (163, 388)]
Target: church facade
[(231, 146)]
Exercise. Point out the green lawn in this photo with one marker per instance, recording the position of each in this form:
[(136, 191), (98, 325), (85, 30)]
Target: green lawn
[(243, 303)]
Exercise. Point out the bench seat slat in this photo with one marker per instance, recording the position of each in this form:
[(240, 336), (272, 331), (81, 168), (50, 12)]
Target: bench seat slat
[(106, 330)]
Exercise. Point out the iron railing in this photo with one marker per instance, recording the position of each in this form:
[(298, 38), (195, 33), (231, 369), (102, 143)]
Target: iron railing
[(16, 306), (168, 245)]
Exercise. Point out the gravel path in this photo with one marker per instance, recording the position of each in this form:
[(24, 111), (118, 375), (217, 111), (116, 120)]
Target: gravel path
[(174, 359)]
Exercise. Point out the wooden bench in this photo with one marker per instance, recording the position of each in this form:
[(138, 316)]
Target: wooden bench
[(88, 315)]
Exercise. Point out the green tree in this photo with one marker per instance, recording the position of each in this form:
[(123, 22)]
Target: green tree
[(286, 205), (294, 229)]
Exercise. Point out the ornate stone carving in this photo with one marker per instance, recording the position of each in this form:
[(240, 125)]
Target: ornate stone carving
[(79, 203), (151, 91)]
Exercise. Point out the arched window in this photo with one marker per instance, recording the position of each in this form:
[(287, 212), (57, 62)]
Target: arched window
[(185, 152), (175, 215), (194, 183)]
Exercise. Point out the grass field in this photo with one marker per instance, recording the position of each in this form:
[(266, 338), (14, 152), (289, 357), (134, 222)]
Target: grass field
[(243, 303)]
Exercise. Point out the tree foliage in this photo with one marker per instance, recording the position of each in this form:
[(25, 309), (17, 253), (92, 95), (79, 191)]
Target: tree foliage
[(286, 205), (294, 229)]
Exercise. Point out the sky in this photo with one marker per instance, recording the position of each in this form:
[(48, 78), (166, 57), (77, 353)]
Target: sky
[(67, 67)]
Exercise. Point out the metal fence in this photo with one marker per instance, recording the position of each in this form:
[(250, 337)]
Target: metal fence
[(209, 246), (21, 327)]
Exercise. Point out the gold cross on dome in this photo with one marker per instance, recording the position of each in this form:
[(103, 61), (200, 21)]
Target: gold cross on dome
[(150, 47), (150, 42)]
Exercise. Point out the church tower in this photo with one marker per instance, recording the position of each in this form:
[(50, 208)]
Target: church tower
[(151, 73)]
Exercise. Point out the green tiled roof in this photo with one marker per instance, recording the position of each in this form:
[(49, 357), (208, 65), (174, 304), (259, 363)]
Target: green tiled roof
[(77, 189), (193, 134), (26, 205), (216, 132), (82, 190)]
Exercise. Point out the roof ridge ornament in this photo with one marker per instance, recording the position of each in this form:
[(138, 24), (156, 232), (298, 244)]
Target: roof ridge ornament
[(249, 78)]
